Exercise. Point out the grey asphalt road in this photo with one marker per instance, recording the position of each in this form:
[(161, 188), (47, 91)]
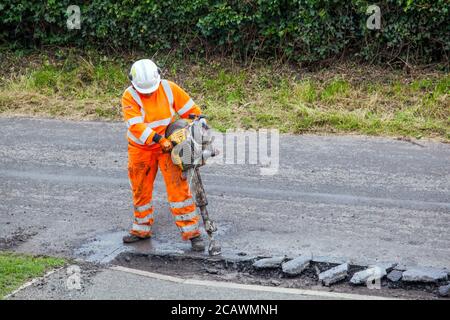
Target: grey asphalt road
[(108, 284), (64, 185)]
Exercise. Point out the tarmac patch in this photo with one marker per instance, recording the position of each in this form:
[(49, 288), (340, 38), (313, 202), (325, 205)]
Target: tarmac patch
[(240, 269), (15, 239)]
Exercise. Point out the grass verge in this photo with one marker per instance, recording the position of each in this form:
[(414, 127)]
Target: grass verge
[(16, 269), (343, 98)]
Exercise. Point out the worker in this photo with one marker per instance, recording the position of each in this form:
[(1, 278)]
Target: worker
[(149, 105)]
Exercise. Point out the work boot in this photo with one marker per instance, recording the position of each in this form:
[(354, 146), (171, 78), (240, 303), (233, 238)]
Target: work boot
[(130, 238), (197, 244)]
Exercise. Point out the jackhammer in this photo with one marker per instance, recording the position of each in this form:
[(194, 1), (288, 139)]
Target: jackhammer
[(192, 141)]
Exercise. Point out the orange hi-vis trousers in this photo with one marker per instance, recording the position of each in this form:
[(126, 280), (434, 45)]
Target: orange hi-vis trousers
[(142, 169)]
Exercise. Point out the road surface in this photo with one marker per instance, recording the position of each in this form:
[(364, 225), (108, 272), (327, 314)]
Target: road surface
[(131, 284), (64, 187)]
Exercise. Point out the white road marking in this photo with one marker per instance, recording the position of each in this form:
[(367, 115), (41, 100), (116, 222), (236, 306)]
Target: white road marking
[(231, 285), (30, 283)]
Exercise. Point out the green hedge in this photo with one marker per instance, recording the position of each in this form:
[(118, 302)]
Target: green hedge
[(300, 30)]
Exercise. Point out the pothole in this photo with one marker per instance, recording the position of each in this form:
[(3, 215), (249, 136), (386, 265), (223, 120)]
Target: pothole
[(240, 270)]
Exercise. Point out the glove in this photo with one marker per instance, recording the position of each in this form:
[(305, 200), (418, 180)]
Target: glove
[(166, 145)]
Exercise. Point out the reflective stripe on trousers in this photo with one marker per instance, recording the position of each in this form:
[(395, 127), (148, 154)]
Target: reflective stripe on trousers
[(181, 204), (141, 227), (144, 207), (187, 216), (143, 166), (190, 228), (146, 220)]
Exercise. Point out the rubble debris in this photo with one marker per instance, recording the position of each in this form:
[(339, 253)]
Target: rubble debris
[(387, 266), (424, 274), (296, 266), (334, 275), (443, 291), (268, 263), (361, 277), (395, 275)]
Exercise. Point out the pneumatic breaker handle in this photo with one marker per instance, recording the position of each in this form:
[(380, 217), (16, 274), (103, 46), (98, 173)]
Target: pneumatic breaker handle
[(201, 202), (200, 194)]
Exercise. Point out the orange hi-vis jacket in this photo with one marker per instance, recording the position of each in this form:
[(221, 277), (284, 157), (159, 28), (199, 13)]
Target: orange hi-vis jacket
[(146, 115)]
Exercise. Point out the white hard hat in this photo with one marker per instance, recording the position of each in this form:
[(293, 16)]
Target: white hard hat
[(144, 76)]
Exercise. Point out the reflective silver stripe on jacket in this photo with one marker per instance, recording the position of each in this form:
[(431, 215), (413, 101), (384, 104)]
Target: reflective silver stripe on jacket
[(141, 227), (186, 216), (163, 122), (188, 105), (135, 120), (140, 119), (133, 138), (136, 98), (142, 138), (144, 207), (190, 228), (169, 94), (147, 132), (181, 204)]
